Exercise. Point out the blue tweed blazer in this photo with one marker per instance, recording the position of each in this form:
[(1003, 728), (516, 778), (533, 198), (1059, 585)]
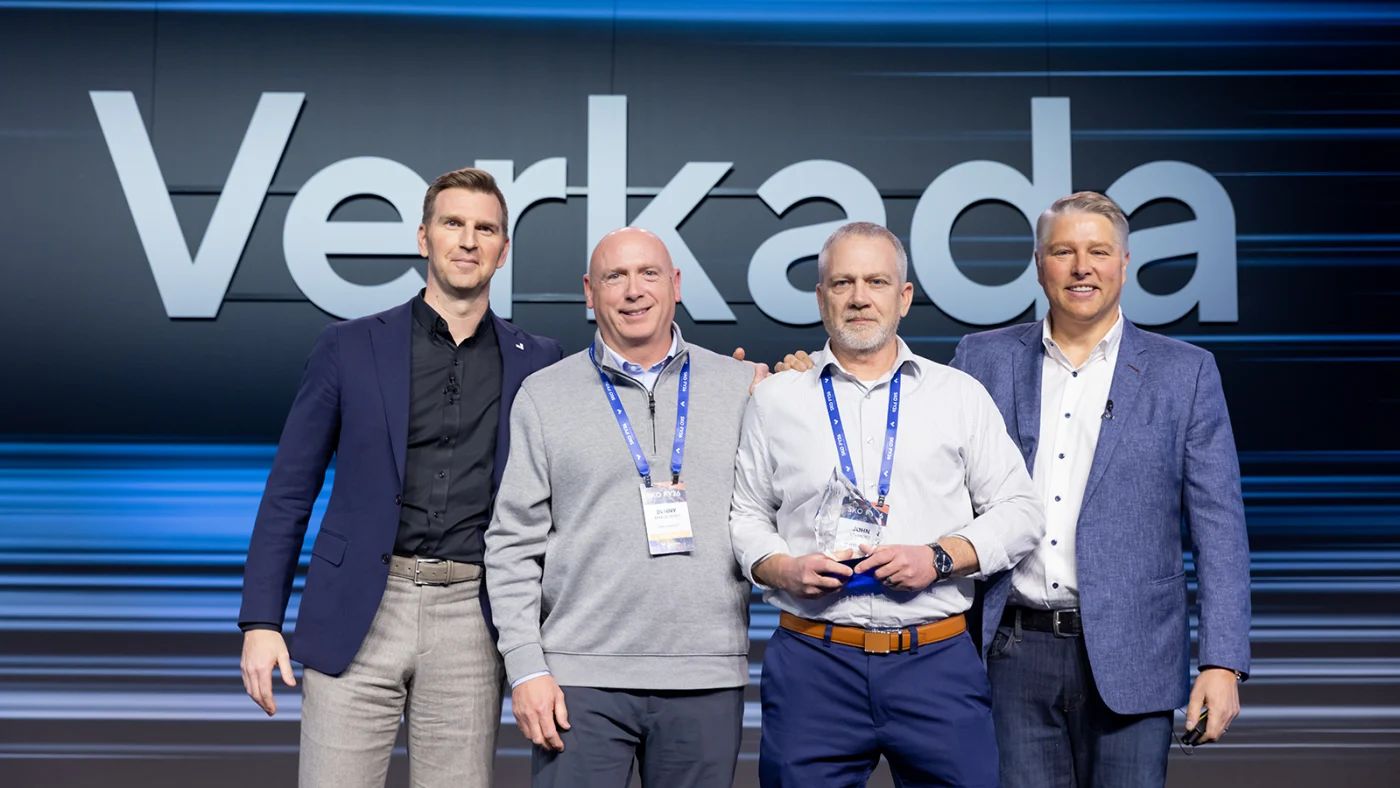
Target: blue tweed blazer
[(1166, 459)]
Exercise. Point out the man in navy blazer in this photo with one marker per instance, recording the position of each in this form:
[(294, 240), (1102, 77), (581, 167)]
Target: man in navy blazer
[(1127, 437), (414, 403)]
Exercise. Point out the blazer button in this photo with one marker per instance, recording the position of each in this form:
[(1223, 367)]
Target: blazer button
[(398, 500), (384, 559)]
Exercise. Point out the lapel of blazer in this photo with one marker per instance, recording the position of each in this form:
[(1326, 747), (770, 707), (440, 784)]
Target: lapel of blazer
[(1026, 392), (515, 367), (1127, 379), (392, 341)]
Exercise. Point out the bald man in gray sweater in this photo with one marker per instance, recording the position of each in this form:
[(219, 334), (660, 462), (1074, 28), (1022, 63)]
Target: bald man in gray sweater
[(623, 617)]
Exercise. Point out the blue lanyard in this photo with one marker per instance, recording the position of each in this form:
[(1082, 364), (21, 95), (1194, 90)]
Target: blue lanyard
[(682, 403), (839, 432)]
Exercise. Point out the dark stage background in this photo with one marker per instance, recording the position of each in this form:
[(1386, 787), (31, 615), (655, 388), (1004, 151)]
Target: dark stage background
[(142, 395)]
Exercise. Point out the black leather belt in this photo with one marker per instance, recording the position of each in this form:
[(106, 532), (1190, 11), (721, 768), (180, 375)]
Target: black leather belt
[(1063, 623)]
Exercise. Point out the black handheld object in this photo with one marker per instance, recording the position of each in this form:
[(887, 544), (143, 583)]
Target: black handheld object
[(1193, 736)]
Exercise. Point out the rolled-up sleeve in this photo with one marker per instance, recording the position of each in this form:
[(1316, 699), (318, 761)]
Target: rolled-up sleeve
[(1008, 518), (753, 512)]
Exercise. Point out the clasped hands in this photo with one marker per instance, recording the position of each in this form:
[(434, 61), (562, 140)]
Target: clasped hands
[(901, 567)]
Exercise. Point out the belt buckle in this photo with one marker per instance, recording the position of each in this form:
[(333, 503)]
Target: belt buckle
[(1055, 622), (877, 641), (418, 572)]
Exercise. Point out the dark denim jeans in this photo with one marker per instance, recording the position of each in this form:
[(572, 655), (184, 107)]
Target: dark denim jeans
[(1053, 729)]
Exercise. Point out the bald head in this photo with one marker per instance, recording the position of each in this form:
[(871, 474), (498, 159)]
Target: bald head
[(633, 287), (629, 244)]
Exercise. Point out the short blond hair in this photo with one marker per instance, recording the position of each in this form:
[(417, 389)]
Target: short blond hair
[(473, 180), (1082, 202)]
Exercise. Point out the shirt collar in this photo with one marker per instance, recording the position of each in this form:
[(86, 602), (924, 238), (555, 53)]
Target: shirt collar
[(637, 369), (1107, 347), (430, 321), (906, 360)]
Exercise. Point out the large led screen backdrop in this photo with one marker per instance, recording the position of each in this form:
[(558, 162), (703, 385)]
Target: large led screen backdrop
[(193, 189)]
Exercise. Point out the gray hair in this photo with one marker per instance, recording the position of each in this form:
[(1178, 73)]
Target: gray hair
[(863, 230), (1082, 202)]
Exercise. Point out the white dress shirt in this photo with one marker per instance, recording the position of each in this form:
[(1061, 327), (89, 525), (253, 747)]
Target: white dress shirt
[(956, 472), (1073, 403)]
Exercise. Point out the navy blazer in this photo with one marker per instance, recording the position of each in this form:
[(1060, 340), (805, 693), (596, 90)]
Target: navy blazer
[(353, 403), (1167, 455)]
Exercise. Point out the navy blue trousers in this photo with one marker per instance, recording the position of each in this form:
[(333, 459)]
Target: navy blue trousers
[(1055, 729), (830, 711)]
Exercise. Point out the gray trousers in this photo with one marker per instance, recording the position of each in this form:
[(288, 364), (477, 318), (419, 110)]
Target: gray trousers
[(681, 739), (428, 659)]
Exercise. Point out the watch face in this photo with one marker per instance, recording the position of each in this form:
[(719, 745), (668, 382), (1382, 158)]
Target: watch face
[(942, 561)]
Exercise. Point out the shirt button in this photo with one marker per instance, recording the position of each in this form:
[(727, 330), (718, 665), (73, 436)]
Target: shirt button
[(437, 514), (446, 439), (441, 474), (1054, 541), (869, 440), (1074, 374), (1062, 456), (1054, 585), (1057, 499), (384, 559), (1066, 415), (398, 500), (455, 362)]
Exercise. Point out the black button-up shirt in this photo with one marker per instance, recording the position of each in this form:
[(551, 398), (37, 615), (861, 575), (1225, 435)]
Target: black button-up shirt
[(454, 408)]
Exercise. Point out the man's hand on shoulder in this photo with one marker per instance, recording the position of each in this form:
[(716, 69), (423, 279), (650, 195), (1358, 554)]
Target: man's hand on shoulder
[(798, 362), (760, 370), (540, 712)]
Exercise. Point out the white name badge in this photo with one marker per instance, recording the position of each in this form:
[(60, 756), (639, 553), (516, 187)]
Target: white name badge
[(668, 519)]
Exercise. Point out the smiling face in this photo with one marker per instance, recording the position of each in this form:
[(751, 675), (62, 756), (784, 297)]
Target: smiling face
[(632, 288), (860, 294), (463, 240), (1082, 266)]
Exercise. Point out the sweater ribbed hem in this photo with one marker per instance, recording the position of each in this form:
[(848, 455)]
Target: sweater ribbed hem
[(650, 672)]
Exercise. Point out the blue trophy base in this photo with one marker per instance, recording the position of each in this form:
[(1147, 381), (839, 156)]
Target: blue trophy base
[(861, 582)]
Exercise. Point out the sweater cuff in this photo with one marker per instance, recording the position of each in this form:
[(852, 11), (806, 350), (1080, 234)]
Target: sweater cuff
[(521, 661)]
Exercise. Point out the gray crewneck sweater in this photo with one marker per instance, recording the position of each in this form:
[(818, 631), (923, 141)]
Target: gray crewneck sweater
[(573, 587)]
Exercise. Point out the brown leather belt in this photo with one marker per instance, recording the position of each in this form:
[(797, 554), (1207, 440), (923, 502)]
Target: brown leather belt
[(877, 642), (433, 571)]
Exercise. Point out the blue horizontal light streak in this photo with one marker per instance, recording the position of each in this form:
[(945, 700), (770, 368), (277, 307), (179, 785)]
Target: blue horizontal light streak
[(1340, 339), (1033, 14), (1104, 44), (1311, 174), (1173, 73)]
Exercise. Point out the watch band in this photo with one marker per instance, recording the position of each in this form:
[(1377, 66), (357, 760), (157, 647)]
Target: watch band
[(941, 558)]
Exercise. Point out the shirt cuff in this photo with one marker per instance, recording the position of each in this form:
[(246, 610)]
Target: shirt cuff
[(524, 661), (524, 679), (991, 556), (249, 626), (1240, 675)]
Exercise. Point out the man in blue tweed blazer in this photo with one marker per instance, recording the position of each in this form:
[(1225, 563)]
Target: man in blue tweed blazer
[(1127, 437)]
